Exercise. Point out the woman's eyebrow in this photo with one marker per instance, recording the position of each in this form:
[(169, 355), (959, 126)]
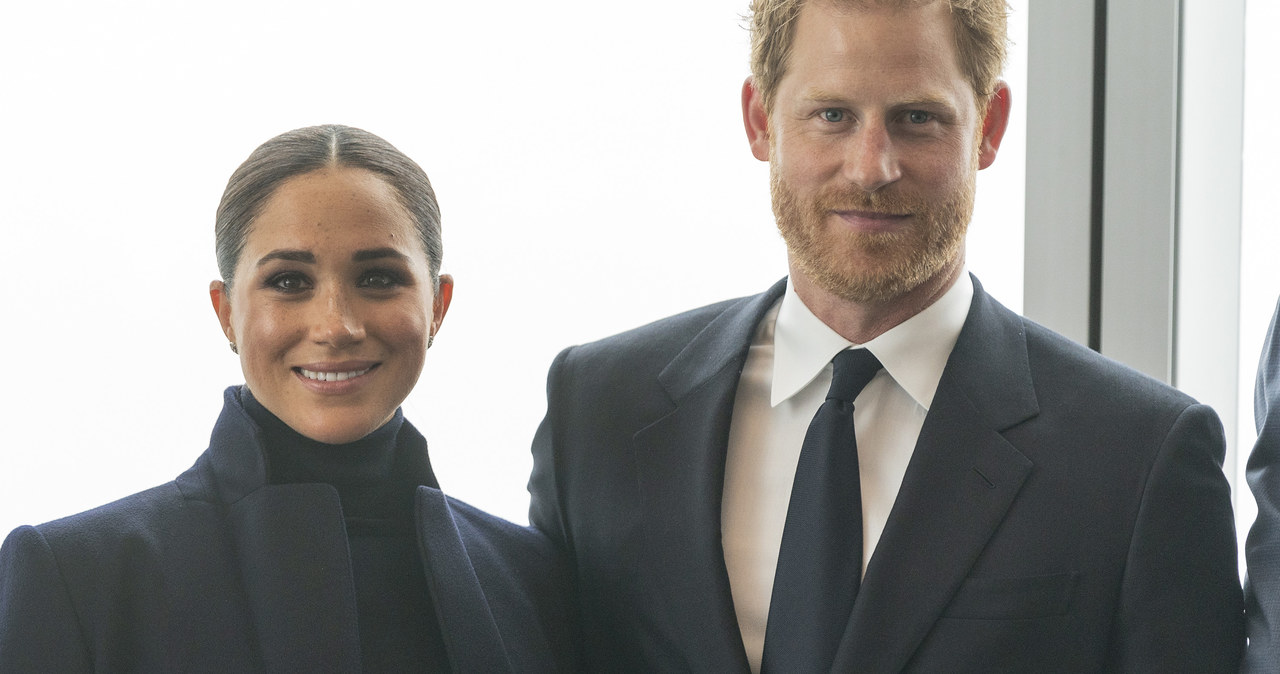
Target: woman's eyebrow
[(377, 254), (290, 254)]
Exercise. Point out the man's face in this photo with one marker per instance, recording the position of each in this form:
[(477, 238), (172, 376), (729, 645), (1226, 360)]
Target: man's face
[(874, 142)]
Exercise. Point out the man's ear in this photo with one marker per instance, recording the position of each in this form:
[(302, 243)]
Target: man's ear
[(220, 295), (440, 305), (755, 119), (994, 124)]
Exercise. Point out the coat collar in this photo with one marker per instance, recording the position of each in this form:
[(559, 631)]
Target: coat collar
[(721, 344), (294, 559), (235, 464)]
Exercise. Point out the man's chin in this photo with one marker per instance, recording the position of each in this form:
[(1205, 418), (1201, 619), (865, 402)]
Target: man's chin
[(866, 286), (870, 280)]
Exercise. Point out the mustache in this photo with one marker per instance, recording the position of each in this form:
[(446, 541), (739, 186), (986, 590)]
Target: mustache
[(854, 199)]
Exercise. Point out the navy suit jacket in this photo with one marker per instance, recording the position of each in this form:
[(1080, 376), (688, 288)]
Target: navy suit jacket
[(1262, 549), (219, 571), (1060, 512)]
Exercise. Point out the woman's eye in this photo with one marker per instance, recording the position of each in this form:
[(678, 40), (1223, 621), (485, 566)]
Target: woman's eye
[(379, 280), (289, 282), (833, 115), (918, 117)]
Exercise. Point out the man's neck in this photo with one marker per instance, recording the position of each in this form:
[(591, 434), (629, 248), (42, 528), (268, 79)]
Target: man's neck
[(861, 322)]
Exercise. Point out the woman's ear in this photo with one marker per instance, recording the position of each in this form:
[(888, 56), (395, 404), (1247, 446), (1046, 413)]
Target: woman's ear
[(220, 295), (440, 304)]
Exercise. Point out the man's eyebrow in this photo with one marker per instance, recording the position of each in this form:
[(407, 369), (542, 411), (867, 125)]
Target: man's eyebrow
[(925, 102), (816, 95), (290, 254), (822, 96), (377, 254)]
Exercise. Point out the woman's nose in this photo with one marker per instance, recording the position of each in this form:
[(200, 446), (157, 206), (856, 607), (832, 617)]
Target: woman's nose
[(337, 322)]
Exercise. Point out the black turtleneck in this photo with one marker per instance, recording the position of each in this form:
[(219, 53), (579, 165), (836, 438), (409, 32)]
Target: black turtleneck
[(376, 485)]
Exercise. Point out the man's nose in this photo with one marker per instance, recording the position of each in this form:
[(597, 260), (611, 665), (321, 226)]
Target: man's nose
[(871, 159)]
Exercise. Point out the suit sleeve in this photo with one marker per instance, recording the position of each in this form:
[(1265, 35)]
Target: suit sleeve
[(1262, 549), (39, 629), (545, 512), (1181, 604)]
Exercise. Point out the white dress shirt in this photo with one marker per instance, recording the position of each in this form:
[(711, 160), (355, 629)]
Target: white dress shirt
[(784, 381)]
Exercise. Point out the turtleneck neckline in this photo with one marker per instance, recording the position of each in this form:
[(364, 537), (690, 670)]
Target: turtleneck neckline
[(375, 484), (294, 458)]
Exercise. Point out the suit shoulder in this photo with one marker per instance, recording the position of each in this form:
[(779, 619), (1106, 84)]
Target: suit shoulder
[(656, 342), (1058, 363)]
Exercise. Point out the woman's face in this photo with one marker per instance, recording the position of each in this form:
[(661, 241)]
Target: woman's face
[(331, 306)]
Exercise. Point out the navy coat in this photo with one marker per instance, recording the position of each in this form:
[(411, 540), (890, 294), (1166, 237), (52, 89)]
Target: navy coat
[(1060, 512), (219, 571)]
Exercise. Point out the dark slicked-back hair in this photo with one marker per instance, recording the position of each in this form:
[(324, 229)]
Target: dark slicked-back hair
[(308, 149)]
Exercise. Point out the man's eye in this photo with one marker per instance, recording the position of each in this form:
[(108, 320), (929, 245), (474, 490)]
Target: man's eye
[(832, 115), (918, 116)]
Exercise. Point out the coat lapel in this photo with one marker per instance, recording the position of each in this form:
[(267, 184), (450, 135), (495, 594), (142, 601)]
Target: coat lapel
[(470, 632), (290, 546), (960, 482), (293, 556), (680, 462)]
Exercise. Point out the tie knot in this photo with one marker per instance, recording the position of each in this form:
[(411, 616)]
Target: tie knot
[(851, 370)]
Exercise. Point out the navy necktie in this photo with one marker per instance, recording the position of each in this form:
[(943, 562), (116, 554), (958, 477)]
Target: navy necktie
[(820, 561)]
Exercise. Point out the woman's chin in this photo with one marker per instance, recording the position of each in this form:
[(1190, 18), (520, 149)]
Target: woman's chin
[(334, 430)]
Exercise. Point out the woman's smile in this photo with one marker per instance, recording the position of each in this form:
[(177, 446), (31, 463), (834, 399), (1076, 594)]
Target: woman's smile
[(339, 372), (336, 379)]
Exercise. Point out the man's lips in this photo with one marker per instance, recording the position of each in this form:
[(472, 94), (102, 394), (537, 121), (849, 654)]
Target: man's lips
[(872, 221), (871, 215)]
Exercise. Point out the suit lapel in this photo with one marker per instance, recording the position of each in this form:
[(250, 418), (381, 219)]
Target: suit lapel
[(960, 482), (470, 632), (293, 556), (680, 463)]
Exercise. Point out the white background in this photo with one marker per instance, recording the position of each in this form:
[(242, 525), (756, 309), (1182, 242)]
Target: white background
[(588, 156)]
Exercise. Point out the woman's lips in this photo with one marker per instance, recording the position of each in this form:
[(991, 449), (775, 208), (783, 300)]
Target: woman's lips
[(331, 376), (334, 377)]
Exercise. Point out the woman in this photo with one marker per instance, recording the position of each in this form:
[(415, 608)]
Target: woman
[(311, 536)]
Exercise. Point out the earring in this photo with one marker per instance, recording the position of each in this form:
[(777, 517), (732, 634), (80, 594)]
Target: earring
[(234, 348), (430, 339)]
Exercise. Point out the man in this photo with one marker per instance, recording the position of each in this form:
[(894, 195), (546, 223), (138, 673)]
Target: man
[(1262, 549), (1021, 503)]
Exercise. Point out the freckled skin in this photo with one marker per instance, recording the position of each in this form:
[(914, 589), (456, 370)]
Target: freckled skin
[(874, 141), (332, 311)]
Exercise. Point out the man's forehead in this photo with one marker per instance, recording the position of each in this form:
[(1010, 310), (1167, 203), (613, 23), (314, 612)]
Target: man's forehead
[(863, 5)]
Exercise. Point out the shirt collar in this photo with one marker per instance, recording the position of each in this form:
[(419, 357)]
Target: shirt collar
[(913, 352)]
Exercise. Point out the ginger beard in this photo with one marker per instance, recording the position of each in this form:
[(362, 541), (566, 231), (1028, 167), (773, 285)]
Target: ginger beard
[(872, 267)]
